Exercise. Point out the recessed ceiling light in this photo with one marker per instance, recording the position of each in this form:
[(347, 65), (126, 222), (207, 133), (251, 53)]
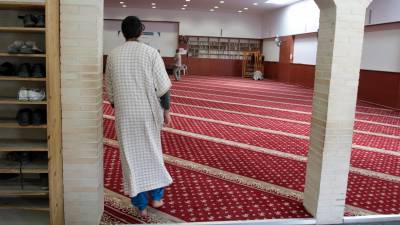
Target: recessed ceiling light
[(154, 7), (279, 2), (222, 2), (239, 11), (212, 10), (124, 6), (216, 7), (121, 2), (246, 8), (153, 3), (255, 3)]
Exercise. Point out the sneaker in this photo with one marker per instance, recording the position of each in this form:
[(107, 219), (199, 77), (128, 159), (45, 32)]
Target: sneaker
[(44, 180), (15, 47), (29, 20), (41, 20), (38, 70), (24, 70), (24, 117), (39, 117), (23, 94), (7, 69), (36, 94)]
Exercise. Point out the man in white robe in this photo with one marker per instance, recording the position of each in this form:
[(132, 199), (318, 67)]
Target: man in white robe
[(136, 81)]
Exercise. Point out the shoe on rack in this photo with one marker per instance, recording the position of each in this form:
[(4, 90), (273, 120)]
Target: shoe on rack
[(44, 179), (36, 94), (31, 47), (29, 20), (41, 21), (15, 47), (23, 94), (24, 117), (7, 69), (24, 70), (23, 157), (39, 117), (38, 70)]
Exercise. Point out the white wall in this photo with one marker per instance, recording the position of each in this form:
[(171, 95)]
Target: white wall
[(270, 50), (302, 17), (165, 36), (305, 49), (198, 23), (383, 11), (381, 49)]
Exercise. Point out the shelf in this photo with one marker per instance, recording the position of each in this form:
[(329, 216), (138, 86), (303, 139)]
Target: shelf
[(23, 29), (21, 5), (32, 188), (7, 145), (11, 123), (2, 54), (12, 101), (22, 203), (16, 78), (7, 166)]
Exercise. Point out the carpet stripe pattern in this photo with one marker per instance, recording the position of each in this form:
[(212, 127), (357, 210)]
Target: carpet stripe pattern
[(238, 148)]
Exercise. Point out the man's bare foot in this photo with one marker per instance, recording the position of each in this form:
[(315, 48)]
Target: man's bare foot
[(158, 204), (144, 213)]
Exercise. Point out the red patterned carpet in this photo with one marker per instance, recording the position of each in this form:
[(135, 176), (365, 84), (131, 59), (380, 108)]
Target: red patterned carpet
[(237, 150)]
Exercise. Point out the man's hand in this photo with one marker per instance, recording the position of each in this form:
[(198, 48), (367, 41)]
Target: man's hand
[(167, 119)]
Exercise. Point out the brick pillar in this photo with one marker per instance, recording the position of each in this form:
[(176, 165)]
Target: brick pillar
[(340, 40), (81, 90)]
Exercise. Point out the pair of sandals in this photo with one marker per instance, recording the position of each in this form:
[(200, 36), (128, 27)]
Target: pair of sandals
[(30, 20), (21, 47)]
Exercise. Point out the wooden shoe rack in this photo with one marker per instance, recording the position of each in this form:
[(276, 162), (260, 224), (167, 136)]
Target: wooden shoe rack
[(25, 198)]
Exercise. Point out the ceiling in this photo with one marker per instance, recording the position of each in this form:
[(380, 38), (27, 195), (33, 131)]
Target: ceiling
[(203, 5)]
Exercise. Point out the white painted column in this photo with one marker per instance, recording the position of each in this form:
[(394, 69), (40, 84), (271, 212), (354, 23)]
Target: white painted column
[(81, 25), (340, 40)]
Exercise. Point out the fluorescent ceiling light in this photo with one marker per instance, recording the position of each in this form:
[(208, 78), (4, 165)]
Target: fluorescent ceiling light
[(184, 5), (153, 7), (239, 11), (121, 2), (279, 2), (212, 10), (183, 8), (255, 3), (124, 6), (216, 7), (153, 3), (188, 0), (222, 2), (246, 8)]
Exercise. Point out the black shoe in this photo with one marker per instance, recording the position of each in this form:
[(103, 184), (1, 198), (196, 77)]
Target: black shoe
[(39, 117), (25, 70), (41, 19), (38, 70), (22, 157), (29, 20), (7, 69), (24, 117), (8, 176)]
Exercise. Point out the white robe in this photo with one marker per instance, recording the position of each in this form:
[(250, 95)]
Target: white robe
[(136, 79)]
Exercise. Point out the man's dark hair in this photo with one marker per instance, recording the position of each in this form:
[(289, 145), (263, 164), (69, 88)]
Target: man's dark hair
[(132, 27)]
